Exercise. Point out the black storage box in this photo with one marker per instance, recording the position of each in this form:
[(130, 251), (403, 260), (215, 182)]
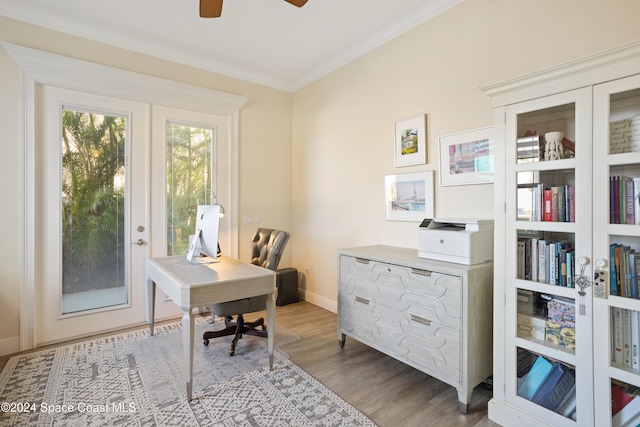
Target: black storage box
[(287, 284)]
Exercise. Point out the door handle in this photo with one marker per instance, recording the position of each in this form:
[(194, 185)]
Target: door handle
[(139, 242)]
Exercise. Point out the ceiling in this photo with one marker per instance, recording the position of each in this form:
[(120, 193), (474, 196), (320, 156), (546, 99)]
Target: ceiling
[(269, 42)]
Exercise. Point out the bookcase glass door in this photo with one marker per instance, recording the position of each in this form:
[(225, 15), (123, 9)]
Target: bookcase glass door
[(617, 251), (548, 173)]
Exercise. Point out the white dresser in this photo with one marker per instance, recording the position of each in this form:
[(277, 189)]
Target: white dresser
[(435, 316)]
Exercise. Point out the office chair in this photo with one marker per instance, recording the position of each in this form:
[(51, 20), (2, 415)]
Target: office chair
[(267, 247)]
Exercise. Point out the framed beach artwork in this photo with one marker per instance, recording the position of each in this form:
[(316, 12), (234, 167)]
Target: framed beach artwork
[(467, 157), (411, 141), (409, 196)]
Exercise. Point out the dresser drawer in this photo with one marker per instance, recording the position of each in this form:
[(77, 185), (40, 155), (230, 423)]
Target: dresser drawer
[(356, 315), (429, 294)]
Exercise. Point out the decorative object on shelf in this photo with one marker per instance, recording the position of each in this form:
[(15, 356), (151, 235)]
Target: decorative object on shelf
[(467, 157), (529, 147), (624, 135), (553, 148), (409, 196), (411, 141)]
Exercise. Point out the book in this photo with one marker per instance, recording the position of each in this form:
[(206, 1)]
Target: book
[(635, 340), (636, 200), (562, 206), (633, 278), (637, 269), (572, 203), (534, 259), (559, 391), (630, 217), (626, 337), (629, 415), (542, 261), (526, 359), (553, 263), (616, 312), (554, 204), (520, 258), (549, 384), (547, 205), (568, 404), (619, 398), (534, 378)]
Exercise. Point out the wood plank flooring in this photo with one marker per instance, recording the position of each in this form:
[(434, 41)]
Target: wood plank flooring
[(389, 392)]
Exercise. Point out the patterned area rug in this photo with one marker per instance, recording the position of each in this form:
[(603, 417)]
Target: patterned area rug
[(136, 380)]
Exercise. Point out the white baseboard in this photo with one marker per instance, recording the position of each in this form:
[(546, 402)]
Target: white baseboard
[(318, 300), (9, 346)]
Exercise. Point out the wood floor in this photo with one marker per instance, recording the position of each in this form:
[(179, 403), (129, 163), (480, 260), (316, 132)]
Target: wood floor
[(389, 392)]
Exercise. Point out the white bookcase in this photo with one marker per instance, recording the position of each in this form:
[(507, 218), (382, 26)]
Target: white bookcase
[(584, 99)]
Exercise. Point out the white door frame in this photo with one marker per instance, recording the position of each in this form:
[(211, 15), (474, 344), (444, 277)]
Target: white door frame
[(42, 68)]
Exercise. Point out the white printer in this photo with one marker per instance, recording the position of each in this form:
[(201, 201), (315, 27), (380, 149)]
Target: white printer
[(462, 241)]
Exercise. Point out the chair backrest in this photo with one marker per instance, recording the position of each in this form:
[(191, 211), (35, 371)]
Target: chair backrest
[(267, 247)]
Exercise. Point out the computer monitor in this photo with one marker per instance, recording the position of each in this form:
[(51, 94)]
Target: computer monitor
[(205, 240)]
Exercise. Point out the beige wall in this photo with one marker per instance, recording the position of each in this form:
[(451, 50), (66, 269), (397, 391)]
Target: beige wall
[(265, 151), (338, 131), (343, 125)]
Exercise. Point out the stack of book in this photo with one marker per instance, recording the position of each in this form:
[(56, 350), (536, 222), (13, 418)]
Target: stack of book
[(625, 326), (624, 271), (548, 383), (546, 261), (625, 405), (624, 200), (550, 203)]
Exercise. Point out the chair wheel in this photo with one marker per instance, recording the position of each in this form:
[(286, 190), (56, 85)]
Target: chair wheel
[(206, 342), (232, 352)]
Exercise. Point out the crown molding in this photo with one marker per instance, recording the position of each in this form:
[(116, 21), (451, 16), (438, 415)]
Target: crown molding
[(79, 29)]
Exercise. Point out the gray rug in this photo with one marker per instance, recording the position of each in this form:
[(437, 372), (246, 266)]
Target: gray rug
[(133, 379)]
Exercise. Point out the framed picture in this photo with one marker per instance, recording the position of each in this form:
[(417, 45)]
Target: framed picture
[(411, 141), (467, 157), (409, 196)]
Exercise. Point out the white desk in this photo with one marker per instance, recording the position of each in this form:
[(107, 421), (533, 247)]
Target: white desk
[(197, 285)]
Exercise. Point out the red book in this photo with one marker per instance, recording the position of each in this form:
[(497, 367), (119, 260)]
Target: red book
[(547, 202), (619, 399)]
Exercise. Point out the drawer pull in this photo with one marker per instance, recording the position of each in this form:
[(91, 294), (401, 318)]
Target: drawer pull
[(421, 272), (362, 300), (420, 320), (362, 260)]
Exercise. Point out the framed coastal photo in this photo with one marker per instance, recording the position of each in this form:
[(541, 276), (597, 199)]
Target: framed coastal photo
[(467, 157), (409, 196), (411, 141)]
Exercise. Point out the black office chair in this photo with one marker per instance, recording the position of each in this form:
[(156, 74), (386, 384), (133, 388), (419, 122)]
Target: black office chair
[(267, 247)]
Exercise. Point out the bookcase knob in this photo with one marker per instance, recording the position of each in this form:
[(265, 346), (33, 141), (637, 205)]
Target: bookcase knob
[(601, 263), (583, 260)]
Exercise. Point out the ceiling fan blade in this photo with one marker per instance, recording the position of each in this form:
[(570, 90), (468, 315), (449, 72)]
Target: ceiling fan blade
[(298, 3), (210, 8)]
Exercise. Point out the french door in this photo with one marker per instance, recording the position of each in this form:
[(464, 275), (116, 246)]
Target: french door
[(91, 213), (117, 181)]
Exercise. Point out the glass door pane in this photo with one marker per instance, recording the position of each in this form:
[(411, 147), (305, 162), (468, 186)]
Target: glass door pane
[(92, 199), (190, 171)]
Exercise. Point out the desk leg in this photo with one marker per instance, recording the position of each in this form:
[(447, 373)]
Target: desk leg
[(271, 315), (151, 290), (187, 344)]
